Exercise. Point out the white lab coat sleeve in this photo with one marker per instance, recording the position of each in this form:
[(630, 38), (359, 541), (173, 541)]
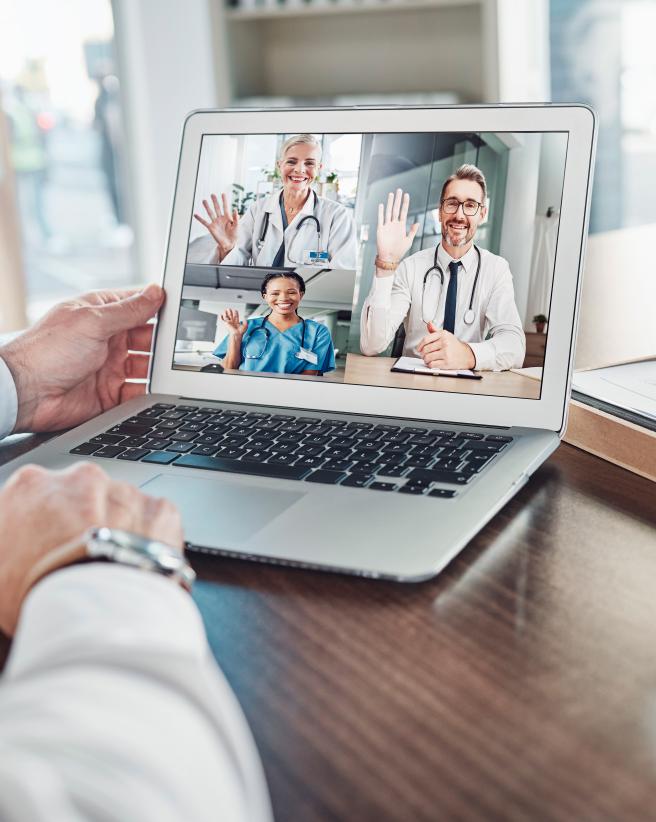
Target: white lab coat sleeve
[(112, 708), (8, 400), (242, 253), (342, 241), (384, 309), (203, 250), (505, 343)]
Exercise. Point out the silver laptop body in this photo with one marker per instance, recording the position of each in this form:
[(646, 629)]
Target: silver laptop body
[(383, 533)]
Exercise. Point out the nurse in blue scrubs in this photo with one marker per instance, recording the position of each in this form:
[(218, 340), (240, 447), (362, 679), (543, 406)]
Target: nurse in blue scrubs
[(280, 342)]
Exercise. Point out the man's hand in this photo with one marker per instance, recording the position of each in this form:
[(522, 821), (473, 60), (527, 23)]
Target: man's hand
[(441, 349), (392, 240), (41, 510), (72, 364), (222, 224)]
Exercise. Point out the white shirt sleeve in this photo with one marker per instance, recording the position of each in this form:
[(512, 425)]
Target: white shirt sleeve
[(384, 310), (506, 345), (8, 400), (112, 708)]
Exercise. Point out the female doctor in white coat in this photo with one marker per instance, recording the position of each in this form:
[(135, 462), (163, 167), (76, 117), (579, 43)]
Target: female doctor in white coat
[(291, 228)]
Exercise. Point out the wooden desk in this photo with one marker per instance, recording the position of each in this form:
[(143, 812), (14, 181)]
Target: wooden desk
[(518, 685), (362, 370)]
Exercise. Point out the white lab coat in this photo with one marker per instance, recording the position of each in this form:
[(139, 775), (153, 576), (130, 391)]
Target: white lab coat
[(496, 336), (338, 236)]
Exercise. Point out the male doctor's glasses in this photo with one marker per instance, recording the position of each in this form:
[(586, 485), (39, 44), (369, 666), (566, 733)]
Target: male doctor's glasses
[(469, 207)]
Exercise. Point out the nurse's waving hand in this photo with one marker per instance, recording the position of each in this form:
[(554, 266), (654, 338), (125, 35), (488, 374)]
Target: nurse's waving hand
[(237, 330)]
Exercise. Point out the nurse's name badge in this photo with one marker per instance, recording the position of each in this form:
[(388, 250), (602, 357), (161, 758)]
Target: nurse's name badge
[(315, 257), (308, 356)]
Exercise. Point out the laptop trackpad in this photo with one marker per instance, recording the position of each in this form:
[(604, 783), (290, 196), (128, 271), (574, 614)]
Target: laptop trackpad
[(220, 514)]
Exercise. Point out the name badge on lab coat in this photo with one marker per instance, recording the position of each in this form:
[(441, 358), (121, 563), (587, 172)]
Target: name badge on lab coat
[(315, 257), (308, 356)]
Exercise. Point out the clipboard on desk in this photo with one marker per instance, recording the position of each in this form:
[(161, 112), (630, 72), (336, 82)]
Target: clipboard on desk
[(414, 365)]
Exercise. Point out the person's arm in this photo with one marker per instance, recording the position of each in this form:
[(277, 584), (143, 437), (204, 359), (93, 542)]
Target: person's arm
[(389, 298), (8, 400), (506, 346), (222, 225), (111, 707), (342, 241)]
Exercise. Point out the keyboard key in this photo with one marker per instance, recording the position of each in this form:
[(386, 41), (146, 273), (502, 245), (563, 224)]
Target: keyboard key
[(173, 415), (183, 436), (364, 468), (192, 426), (231, 413), (231, 466), (108, 439), (133, 454), (337, 453), (160, 457), (109, 451), (442, 492), (335, 423), (283, 459), (87, 448), (196, 418), (489, 447), (281, 417), (186, 408), (232, 441), (254, 455), (411, 430), (163, 405), (205, 450), (257, 443), (181, 447), (360, 426), (412, 489), (328, 477), (497, 438), (310, 462), (208, 439), (318, 431), (388, 470), (356, 480), (231, 453), (437, 475), (471, 435), (337, 465), (130, 430), (419, 461), (316, 440), (311, 450), (389, 428), (170, 425), (134, 442), (383, 486)]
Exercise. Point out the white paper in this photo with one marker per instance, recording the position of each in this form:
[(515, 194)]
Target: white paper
[(631, 386), (416, 365)]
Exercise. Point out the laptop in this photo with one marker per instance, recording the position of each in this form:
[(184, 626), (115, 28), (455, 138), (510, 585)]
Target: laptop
[(341, 464)]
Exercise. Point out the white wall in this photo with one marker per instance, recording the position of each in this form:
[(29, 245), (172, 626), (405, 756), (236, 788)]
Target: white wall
[(165, 51)]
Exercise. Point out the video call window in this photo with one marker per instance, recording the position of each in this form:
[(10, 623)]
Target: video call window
[(409, 260)]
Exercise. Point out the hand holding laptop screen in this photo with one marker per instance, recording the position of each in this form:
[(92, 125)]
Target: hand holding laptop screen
[(451, 263)]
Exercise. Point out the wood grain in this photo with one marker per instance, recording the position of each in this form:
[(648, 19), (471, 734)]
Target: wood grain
[(517, 685)]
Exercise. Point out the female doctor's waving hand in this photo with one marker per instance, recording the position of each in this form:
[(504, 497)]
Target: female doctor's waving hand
[(288, 228)]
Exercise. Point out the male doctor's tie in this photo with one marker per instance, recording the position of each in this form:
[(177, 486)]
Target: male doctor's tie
[(451, 297)]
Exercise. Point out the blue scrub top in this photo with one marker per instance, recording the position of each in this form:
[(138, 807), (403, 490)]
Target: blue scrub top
[(278, 356)]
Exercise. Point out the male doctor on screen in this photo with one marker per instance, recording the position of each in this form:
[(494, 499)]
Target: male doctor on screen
[(462, 313)]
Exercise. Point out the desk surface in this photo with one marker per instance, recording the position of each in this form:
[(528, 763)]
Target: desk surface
[(519, 684), (362, 370)]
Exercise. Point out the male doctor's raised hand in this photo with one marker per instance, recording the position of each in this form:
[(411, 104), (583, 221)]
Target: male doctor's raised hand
[(439, 348), (73, 364)]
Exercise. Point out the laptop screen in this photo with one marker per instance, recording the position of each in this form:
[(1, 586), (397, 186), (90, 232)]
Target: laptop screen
[(403, 260)]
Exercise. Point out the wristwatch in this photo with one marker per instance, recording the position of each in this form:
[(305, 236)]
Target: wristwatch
[(114, 545)]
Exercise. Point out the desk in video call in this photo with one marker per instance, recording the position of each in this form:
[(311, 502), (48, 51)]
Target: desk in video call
[(376, 371)]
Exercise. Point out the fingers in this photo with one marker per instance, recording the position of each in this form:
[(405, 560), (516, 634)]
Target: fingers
[(141, 338), (396, 208), (235, 216), (218, 212), (381, 215), (130, 313), (413, 231), (201, 221), (226, 205), (390, 206), (405, 206), (130, 390), (136, 366), (210, 213), (431, 328), (428, 339)]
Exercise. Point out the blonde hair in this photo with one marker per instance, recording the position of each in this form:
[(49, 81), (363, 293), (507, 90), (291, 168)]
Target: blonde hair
[(297, 139), (467, 172)]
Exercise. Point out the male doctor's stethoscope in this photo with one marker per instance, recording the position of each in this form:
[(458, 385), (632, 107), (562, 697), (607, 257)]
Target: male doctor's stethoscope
[(319, 255), (436, 268)]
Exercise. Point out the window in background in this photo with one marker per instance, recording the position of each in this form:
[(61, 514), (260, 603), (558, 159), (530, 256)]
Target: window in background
[(61, 103), (602, 53)]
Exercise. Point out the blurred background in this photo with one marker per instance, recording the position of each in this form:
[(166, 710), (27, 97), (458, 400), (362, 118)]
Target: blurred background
[(93, 94)]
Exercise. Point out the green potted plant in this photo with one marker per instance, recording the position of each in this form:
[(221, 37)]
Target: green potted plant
[(540, 321)]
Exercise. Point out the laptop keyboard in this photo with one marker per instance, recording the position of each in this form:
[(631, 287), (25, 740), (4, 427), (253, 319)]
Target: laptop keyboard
[(393, 458)]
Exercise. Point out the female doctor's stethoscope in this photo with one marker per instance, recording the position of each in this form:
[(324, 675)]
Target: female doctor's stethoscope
[(436, 268), (311, 217), (267, 336)]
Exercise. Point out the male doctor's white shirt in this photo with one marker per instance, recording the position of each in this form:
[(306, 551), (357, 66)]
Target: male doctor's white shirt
[(338, 236), (111, 704), (398, 298)]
